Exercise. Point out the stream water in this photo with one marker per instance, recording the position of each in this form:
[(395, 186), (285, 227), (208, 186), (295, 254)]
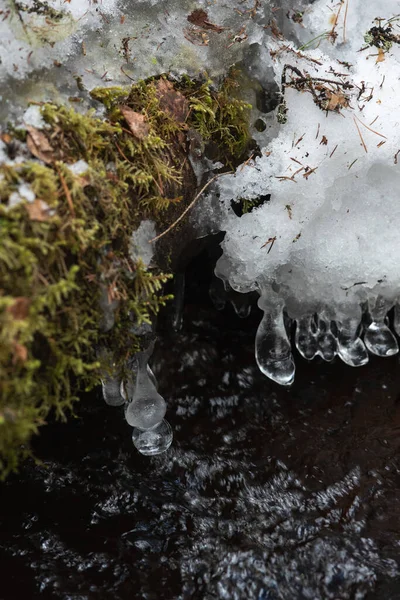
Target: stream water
[(266, 492)]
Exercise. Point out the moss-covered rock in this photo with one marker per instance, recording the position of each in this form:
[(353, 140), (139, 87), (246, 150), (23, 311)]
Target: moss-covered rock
[(67, 213)]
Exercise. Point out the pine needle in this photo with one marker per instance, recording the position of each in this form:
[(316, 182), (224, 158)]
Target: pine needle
[(373, 130), (361, 137)]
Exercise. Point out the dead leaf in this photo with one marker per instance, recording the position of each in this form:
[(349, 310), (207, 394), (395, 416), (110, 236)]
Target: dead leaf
[(136, 122), (381, 55), (20, 353), (323, 141), (19, 308), (38, 210), (336, 100), (199, 17), (39, 145), (171, 101)]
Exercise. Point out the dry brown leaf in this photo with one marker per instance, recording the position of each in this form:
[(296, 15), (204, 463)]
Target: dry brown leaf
[(39, 145), (199, 17), (336, 100), (171, 101), (38, 210), (323, 141), (136, 122), (381, 55), (19, 308)]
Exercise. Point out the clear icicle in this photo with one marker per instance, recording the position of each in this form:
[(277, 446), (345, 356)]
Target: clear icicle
[(351, 348), (327, 345), (127, 388), (305, 340), (273, 353), (111, 391), (147, 407), (153, 441), (217, 293), (396, 320), (378, 338), (179, 297)]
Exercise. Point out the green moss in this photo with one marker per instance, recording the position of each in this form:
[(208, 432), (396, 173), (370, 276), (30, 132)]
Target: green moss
[(59, 254)]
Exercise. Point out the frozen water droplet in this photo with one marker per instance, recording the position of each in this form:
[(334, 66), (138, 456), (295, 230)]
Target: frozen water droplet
[(147, 407), (327, 345), (378, 338), (273, 352), (111, 391), (305, 340), (351, 348), (127, 388), (153, 441)]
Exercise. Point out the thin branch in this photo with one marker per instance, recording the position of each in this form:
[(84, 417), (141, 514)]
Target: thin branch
[(193, 202)]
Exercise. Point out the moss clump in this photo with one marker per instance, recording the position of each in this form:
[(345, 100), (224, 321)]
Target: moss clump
[(65, 239)]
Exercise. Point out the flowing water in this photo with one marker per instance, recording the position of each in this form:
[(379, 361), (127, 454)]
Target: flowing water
[(266, 493)]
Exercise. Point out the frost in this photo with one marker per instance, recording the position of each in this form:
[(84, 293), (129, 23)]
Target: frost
[(140, 246)]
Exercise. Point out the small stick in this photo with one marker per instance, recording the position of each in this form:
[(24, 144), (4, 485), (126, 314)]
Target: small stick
[(189, 206)]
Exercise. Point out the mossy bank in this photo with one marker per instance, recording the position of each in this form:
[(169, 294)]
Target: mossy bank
[(72, 191)]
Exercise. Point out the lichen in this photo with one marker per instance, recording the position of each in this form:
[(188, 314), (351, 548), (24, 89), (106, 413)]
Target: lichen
[(61, 250)]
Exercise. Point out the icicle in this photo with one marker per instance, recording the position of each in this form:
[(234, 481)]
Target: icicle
[(147, 407), (179, 296), (396, 320), (351, 348), (378, 338), (153, 441), (327, 345), (111, 391), (273, 354), (305, 339), (217, 293), (128, 387)]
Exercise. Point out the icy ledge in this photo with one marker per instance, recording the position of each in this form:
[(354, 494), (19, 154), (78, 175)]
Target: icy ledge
[(322, 250)]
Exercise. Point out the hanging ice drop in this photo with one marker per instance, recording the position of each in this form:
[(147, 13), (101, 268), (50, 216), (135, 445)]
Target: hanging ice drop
[(305, 339), (351, 348), (273, 353), (111, 391), (147, 407), (327, 346), (153, 441), (378, 338)]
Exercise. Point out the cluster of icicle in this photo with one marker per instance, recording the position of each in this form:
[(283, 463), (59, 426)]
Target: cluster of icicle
[(351, 335), (144, 407)]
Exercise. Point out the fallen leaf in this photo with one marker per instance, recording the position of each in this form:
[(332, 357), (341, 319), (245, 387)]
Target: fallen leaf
[(171, 101), (19, 308), (336, 101), (38, 210), (39, 145), (381, 55), (323, 141), (199, 17), (136, 122)]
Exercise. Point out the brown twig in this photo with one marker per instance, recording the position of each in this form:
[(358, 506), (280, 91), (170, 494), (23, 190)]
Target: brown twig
[(66, 191), (193, 202)]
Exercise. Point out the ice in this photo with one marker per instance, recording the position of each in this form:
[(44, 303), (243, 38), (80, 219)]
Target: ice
[(378, 338), (111, 393), (153, 441), (273, 352), (147, 408), (327, 241), (140, 242)]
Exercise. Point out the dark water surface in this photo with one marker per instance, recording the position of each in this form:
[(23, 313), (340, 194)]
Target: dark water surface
[(266, 493)]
